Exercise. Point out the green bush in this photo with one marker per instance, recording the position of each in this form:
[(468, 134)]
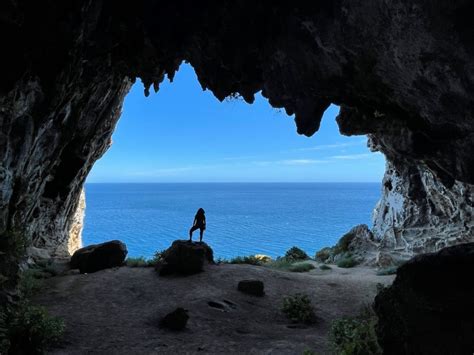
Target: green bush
[(280, 263), (296, 254), (30, 283), (31, 330), (391, 270), (347, 262), (325, 267), (251, 260), (323, 255), (301, 267), (298, 308), (137, 262), (355, 336), (342, 245), (159, 255)]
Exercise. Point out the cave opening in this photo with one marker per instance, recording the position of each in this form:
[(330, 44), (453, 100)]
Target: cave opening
[(180, 149)]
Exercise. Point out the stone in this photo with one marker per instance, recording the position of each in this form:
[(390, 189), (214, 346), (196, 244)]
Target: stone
[(38, 254), (99, 256), (384, 260), (429, 308), (175, 320), (251, 287), (185, 258)]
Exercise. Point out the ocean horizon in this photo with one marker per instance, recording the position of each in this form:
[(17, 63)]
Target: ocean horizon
[(242, 218)]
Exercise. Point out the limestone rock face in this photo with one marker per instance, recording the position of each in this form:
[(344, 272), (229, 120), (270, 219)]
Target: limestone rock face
[(429, 307), (186, 258), (99, 256), (77, 224), (417, 213)]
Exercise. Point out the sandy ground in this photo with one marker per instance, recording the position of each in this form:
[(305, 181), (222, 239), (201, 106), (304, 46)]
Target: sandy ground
[(116, 311)]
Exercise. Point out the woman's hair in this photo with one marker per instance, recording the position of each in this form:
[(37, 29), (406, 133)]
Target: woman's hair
[(200, 212)]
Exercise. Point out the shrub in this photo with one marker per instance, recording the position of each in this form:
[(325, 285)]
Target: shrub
[(296, 254), (347, 262), (325, 267), (323, 255), (280, 263), (355, 336), (301, 267), (31, 330), (387, 271), (137, 262), (30, 283), (298, 308), (342, 245), (159, 255), (251, 260)]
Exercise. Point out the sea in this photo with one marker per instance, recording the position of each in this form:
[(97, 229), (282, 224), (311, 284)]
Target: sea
[(242, 218)]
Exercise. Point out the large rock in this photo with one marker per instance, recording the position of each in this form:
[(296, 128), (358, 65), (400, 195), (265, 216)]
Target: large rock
[(175, 320), (99, 256), (251, 287), (186, 258), (429, 309)]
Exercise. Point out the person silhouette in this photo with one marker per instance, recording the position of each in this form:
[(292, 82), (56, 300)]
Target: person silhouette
[(199, 223)]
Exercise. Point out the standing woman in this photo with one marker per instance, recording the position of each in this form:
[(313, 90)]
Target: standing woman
[(199, 223)]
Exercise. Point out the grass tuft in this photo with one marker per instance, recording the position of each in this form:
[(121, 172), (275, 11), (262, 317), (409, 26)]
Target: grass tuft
[(301, 267), (347, 262), (325, 267), (298, 308)]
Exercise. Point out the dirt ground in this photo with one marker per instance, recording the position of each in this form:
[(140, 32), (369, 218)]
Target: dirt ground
[(116, 311)]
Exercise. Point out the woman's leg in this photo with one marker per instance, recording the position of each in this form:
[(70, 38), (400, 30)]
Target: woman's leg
[(193, 228), (201, 232)]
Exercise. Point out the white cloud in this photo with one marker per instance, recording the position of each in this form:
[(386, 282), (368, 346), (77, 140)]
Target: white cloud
[(293, 162), (352, 156), (333, 146)]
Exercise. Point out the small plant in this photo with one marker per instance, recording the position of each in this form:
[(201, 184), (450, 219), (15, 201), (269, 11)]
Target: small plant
[(323, 255), (347, 262), (30, 283), (342, 245), (296, 254), (136, 262), (391, 270), (298, 308), (355, 336), (31, 330), (280, 264), (158, 257), (251, 260), (325, 267), (301, 267)]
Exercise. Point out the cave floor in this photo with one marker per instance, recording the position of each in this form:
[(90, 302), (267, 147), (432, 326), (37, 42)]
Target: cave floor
[(116, 311)]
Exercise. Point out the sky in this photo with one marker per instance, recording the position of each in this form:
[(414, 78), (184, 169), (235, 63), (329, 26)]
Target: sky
[(184, 134)]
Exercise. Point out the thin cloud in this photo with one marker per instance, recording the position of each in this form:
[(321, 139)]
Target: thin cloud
[(292, 162), (352, 156), (331, 146)]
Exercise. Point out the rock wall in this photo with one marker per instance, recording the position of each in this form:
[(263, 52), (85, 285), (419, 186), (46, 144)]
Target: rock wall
[(402, 72), (74, 241), (418, 214)]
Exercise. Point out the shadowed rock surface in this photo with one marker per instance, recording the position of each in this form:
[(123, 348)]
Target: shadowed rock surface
[(99, 256), (251, 287), (429, 309), (402, 72), (185, 258), (175, 320)]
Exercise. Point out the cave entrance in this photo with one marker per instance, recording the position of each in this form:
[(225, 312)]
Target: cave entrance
[(264, 188)]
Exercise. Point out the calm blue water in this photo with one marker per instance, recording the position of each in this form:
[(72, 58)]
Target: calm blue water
[(242, 218)]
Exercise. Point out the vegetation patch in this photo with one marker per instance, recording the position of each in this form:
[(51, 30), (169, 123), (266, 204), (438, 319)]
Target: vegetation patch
[(298, 308), (391, 270), (296, 254), (301, 267), (325, 267), (280, 263), (323, 255), (347, 262), (355, 335), (250, 260), (137, 262)]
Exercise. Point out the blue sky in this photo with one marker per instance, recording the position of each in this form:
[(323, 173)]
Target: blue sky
[(184, 134)]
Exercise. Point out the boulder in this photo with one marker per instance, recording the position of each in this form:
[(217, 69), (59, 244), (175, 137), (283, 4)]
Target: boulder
[(251, 287), (185, 258), (429, 308), (175, 320), (99, 256)]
